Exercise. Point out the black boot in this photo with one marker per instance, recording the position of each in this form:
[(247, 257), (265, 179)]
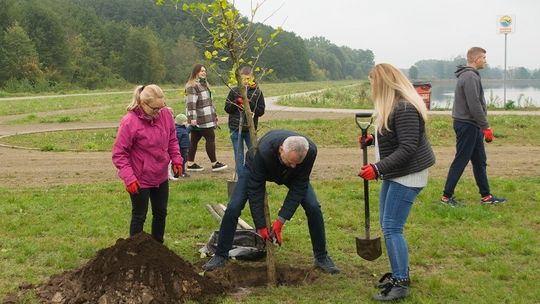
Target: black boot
[(215, 262), (394, 290), (387, 279)]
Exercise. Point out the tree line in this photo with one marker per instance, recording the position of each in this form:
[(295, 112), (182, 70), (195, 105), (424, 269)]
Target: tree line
[(444, 69), (66, 44)]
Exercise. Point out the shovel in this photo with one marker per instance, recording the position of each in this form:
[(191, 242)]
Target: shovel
[(368, 248)]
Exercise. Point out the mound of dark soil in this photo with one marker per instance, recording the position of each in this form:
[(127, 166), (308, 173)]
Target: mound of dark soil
[(134, 270)]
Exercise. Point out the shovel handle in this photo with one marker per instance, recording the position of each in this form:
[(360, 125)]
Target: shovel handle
[(364, 126)]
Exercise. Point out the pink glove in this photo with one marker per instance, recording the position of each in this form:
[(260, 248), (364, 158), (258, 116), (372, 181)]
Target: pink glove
[(368, 172), (133, 188), (488, 134)]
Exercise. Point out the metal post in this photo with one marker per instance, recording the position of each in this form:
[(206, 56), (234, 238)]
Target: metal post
[(504, 75)]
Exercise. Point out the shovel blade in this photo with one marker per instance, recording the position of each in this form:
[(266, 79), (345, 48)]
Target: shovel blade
[(369, 249)]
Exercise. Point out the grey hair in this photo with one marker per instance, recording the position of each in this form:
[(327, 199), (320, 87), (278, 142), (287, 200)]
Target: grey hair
[(298, 144)]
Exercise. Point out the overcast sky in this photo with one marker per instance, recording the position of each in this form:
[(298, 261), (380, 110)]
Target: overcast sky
[(402, 32)]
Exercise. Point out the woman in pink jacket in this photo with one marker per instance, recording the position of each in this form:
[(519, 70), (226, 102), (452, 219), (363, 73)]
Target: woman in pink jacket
[(145, 143)]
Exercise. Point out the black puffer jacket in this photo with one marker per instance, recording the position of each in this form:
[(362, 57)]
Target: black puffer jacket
[(405, 149), (256, 104)]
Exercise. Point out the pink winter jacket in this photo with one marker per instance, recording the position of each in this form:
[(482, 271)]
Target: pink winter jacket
[(144, 146)]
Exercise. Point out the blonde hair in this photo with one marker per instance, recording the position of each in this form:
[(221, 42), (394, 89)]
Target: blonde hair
[(144, 94), (388, 86), (473, 53)]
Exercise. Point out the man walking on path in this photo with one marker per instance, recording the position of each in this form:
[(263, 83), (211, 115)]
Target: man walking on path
[(470, 124), (286, 158)]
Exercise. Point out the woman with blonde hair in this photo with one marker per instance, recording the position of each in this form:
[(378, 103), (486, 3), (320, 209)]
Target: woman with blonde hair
[(145, 143), (202, 116), (402, 161)]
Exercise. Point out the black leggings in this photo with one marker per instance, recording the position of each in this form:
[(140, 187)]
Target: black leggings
[(159, 198), (210, 138)]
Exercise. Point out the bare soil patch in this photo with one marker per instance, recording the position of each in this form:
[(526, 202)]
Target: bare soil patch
[(141, 270)]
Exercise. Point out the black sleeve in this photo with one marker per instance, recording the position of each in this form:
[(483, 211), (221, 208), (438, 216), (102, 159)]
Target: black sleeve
[(407, 128), (230, 102), (256, 189), (259, 104)]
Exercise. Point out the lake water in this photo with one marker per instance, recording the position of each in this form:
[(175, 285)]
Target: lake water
[(523, 93)]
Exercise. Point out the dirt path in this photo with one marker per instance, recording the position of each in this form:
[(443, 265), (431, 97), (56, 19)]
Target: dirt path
[(24, 168)]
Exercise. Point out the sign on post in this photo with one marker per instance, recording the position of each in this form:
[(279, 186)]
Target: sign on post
[(506, 24)]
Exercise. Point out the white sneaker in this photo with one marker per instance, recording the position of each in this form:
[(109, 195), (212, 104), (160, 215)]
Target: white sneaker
[(172, 178)]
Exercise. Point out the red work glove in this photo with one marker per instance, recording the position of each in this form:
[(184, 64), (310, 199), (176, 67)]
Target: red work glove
[(368, 172), (177, 169), (488, 134), (366, 140), (263, 232), (133, 188), (240, 101), (276, 231)]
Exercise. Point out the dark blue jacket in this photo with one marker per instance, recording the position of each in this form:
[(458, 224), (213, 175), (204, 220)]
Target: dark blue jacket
[(182, 133), (265, 165)]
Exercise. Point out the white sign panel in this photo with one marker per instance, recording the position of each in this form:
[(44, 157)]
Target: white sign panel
[(506, 24)]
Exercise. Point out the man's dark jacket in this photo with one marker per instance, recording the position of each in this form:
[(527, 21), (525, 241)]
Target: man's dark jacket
[(469, 101), (265, 165), (256, 104)]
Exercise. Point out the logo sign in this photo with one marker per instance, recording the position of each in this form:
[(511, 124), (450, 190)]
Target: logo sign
[(506, 24)]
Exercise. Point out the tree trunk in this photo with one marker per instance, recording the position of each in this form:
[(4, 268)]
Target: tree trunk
[(270, 260)]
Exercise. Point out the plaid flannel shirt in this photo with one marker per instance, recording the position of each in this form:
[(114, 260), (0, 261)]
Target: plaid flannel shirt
[(200, 106)]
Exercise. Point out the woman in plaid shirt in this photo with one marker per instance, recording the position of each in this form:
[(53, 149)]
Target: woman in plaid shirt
[(202, 116)]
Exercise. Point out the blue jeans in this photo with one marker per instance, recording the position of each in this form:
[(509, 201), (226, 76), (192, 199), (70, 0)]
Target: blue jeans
[(239, 148), (238, 202), (395, 203), (469, 146), (159, 198)]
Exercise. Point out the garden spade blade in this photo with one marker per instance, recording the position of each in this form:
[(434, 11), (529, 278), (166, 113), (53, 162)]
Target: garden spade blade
[(368, 248)]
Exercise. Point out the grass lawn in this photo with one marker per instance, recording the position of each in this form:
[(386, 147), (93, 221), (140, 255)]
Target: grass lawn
[(476, 254)]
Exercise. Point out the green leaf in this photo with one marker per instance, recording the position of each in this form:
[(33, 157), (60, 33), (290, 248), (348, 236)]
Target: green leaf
[(241, 60), (224, 59), (257, 69), (230, 15), (210, 20), (208, 55), (214, 53), (218, 44), (185, 7), (270, 71), (259, 39)]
